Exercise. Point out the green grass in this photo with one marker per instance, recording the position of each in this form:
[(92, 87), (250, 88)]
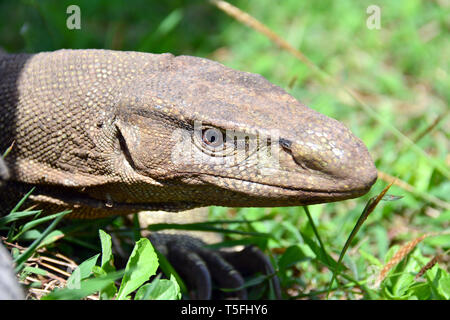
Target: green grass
[(399, 73)]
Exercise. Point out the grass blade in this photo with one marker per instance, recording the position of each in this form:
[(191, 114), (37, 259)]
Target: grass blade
[(20, 260), (370, 206)]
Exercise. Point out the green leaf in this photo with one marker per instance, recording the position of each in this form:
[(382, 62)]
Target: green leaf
[(35, 222), (444, 285), (53, 236), (402, 285), (20, 260), (24, 198), (14, 216), (204, 226), (83, 271), (370, 258), (159, 289), (87, 287), (107, 265), (141, 265), (107, 292), (438, 241), (421, 291), (107, 256), (291, 256), (34, 270), (167, 269), (322, 256)]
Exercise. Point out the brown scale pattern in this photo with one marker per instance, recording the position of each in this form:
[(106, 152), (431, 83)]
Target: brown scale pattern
[(93, 129)]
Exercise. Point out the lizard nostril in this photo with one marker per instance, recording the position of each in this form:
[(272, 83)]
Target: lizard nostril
[(304, 162), (308, 156), (309, 162), (287, 144)]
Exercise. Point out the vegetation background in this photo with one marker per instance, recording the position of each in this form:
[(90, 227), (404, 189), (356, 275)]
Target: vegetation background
[(398, 77)]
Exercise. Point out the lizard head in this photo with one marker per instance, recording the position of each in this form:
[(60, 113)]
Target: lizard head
[(225, 137)]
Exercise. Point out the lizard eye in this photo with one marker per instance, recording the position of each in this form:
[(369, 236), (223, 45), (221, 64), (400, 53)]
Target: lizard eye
[(213, 141), (218, 143), (212, 137)]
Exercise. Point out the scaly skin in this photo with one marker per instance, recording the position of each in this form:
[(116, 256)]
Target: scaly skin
[(105, 132)]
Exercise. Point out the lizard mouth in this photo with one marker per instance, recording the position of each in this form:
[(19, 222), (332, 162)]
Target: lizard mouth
[(261, 189)]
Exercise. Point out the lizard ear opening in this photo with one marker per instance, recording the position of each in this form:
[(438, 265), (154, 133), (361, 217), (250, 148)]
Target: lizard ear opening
[(139, 149), (124, 134)]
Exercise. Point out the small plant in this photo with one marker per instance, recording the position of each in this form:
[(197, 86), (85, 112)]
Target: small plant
[(89, 278)]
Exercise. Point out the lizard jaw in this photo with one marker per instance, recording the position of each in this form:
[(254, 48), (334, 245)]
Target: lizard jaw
[(278, 195)]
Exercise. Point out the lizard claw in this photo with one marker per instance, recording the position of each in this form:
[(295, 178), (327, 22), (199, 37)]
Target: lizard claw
[(204, 269), (194, 270), (252, 260)]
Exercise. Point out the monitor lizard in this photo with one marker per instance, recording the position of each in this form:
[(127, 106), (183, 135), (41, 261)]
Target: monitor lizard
[(111, 132)]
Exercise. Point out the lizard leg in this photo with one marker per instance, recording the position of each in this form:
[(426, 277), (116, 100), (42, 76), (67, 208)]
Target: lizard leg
[(252, 260), (194, 271), (223, 274), (205, 269)]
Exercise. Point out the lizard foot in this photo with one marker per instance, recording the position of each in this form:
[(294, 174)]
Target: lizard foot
[(205, 269)]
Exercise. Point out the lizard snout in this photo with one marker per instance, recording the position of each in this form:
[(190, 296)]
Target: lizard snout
[(340, 161)]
